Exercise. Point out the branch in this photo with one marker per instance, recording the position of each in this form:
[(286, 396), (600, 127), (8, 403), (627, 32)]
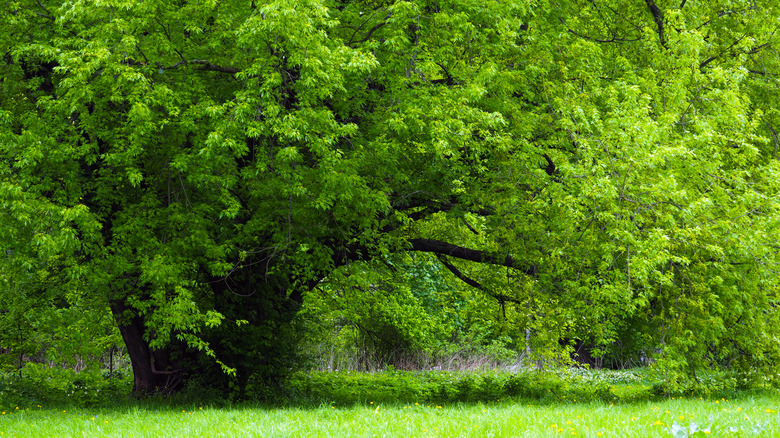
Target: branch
[(466, 223), (763, 73), (48, 13), (714, 57), (658, 17), (472, 255), (428, 200), (550, 169), (370, 31), (159, 372), (473, 283), (205, 65), (614, 39), (611, 40)]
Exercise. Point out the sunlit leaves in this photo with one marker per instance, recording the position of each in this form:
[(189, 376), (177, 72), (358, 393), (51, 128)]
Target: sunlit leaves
[(174, 146)]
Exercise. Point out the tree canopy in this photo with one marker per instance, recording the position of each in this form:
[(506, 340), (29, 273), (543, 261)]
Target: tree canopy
[(197, 167)]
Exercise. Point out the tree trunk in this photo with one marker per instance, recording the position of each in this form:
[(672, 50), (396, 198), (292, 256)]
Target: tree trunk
[(149, 368)]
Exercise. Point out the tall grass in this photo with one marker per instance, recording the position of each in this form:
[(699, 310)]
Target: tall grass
[(747, 416), (390, 404)]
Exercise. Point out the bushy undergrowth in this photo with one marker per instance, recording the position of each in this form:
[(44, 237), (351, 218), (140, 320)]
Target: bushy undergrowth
[(46, 386), (43, 385), (468, 386)]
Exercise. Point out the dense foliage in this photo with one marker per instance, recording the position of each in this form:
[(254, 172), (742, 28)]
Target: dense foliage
[(609, 171)]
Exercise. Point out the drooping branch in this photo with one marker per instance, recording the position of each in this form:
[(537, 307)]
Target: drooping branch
[(472, 255), (502, 298)]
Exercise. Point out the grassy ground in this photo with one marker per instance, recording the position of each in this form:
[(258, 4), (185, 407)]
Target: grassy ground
[(748, 416)]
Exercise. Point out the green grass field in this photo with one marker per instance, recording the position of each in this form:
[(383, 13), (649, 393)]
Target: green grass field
[(748, 416)]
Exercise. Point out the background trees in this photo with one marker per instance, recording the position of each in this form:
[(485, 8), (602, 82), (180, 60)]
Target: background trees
[(199, 167)]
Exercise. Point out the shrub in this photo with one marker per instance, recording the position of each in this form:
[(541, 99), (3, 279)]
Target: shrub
[(449, 386), (43, 385)]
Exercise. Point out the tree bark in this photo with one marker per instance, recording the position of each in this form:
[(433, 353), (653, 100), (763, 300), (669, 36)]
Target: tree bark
[(147, 378)]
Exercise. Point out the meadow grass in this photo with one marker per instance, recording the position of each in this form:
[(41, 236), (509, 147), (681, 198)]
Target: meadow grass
[(755, 415)]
